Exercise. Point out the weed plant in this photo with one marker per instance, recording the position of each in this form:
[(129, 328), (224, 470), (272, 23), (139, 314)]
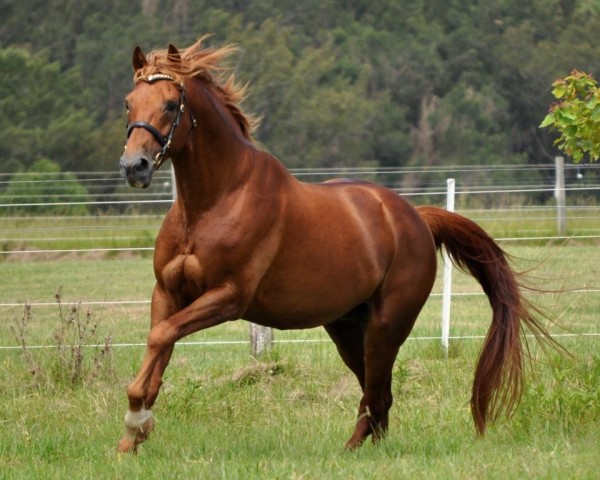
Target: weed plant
[(74, 357)]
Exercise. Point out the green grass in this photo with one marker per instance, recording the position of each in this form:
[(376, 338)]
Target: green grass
[(83, 232), (223, 415), (535, 221), (291, 424), (139, 231)]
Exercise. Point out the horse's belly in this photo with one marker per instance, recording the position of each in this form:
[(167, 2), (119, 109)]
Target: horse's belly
[(300, 303), (289, 318)]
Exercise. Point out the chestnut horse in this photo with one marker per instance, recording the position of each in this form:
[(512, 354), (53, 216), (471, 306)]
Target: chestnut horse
[(245, 239)]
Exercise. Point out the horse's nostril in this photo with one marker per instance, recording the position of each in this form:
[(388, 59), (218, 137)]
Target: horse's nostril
[(142, 165), (124, 168), (136, 170)]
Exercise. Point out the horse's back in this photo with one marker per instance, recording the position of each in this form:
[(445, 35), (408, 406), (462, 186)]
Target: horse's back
[(385, 217)]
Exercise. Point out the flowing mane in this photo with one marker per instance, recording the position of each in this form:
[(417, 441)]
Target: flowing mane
[(205, 64)]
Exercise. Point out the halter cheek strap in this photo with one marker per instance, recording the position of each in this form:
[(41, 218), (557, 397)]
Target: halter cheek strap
[(164, 142)]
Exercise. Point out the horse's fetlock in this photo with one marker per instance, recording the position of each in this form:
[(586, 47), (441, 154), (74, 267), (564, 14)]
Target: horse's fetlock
[(136, 396), (137, 419)]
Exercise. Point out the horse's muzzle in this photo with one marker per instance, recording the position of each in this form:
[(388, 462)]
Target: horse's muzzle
[(137, 171)]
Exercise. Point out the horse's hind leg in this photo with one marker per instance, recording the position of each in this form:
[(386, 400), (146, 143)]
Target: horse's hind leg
[(387, 329), (373, 409), (348, 333)]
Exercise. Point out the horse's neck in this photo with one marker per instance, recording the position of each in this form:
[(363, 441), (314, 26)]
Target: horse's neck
[(204, 176), (198, 191), (217, 160), (204, 168)]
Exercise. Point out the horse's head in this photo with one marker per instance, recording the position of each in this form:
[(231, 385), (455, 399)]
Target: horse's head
[(156, 124)]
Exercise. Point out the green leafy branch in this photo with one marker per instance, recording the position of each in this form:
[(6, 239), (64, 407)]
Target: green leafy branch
[(576, 115)]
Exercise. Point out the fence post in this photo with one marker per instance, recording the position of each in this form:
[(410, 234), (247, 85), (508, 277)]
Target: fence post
[(261, 339), (560, 194), (447, 293)]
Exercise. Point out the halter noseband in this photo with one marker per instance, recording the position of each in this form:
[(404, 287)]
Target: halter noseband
[(164, 142)]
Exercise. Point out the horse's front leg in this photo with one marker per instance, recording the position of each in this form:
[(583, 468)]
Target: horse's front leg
[(214, 307), (139, 423)]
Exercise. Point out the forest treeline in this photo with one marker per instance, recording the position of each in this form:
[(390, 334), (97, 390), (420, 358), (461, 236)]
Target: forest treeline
[(336, 82)]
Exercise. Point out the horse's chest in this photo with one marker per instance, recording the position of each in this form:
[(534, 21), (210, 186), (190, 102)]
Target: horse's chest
[(182, 272)]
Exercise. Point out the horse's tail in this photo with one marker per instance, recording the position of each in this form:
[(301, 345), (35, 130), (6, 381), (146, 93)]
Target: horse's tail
[(498, 382)]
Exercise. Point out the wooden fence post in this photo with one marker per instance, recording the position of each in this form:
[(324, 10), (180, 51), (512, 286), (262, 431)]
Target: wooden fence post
[(261, 339)]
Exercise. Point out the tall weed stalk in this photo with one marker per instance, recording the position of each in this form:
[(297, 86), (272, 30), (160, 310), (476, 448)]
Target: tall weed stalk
[(75, 356)]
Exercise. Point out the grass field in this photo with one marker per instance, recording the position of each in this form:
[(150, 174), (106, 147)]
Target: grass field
[(139, 231), (222, 414)]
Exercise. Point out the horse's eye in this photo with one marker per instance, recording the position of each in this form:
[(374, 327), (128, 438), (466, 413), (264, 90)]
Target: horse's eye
[(171, 106)]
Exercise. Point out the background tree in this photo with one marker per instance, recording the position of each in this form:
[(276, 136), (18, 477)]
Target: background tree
[(45, 184), (576, 115), (43, 112), (338, 83)]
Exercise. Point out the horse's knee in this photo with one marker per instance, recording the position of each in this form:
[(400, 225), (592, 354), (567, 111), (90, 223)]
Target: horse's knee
[(160, 337)]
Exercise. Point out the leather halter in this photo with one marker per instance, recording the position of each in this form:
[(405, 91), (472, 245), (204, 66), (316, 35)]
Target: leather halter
[(163, 141)]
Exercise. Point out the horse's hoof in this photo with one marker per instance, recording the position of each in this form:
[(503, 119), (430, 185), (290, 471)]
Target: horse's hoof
[(351, 446), (144, 431), (126, 446), (138, 426), (355, 442)]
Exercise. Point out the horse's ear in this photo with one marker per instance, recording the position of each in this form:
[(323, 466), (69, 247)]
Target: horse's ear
[(173, 53), (138, 59)]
